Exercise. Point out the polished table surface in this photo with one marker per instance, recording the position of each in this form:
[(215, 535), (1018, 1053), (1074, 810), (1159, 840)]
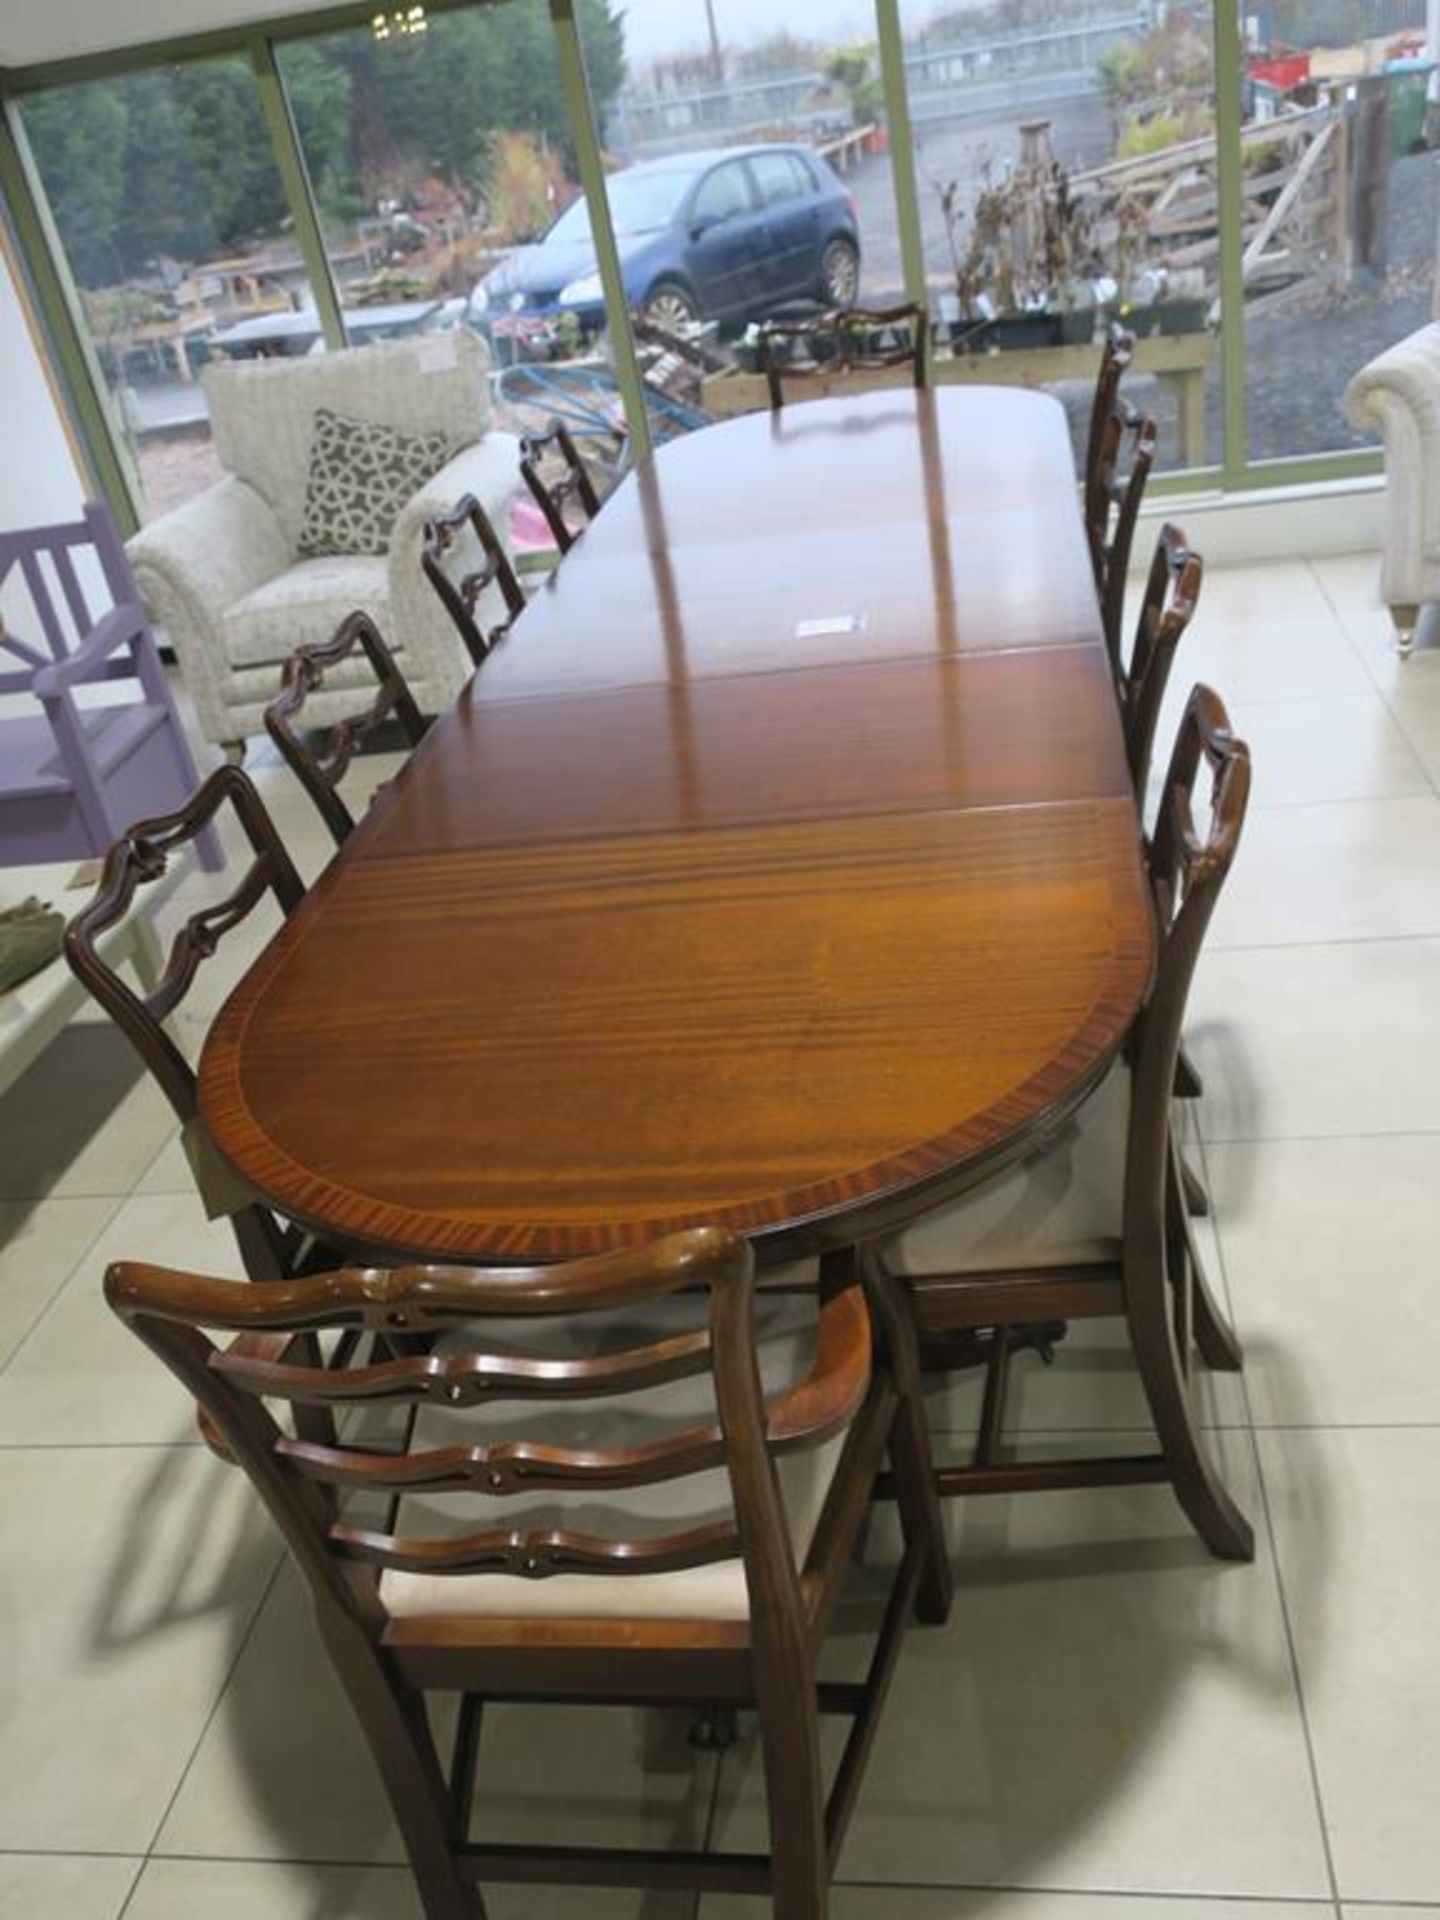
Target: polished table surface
[(780, 868)]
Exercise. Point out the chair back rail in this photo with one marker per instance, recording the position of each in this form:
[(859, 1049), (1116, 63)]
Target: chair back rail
[(1187, 871), (573, 482), (1172, 593), (1115, 361), (844, 340), (1113, 533), (321, 765), (460, 592), (301, 1479), (140, 856)]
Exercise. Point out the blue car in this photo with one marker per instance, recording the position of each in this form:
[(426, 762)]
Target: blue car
[(727, 235)]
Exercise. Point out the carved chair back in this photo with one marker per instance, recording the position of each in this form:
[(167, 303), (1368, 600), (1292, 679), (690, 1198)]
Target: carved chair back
[(320, 764), (1115, 362), (1172, 592), (570, 486), (139, 857), (849, 339), (1189, 857), (543, 1403), (1117, 502), (460, 584)]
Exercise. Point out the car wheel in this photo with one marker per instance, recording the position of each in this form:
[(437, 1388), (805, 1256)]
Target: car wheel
[(840, 273), (671, 306)]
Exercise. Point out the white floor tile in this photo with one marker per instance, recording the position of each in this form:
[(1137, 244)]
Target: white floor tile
[(893, 1903), (1336, 748), (85, 1118), (1352, 870), (38, 1886), (1294, 1042), (1270, 658), (1357, 1524), (1099, 1675), (1302, 1257), (41, 1243), (1349, 579), (248, 1890), (131, 1575), (80, 1374)]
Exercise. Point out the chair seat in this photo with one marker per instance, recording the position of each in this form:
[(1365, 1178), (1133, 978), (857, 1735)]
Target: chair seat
[(303, 606), (786, 1341), (1062, 1207)]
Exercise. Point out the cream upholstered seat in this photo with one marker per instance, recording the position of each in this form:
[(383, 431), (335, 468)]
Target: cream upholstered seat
[(1062, 1207), (785, 1329), (223, 573)]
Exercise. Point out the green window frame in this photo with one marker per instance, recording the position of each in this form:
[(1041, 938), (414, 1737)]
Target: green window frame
[(55, 297)]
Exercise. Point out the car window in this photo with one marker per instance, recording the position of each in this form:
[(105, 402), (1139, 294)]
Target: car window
[(639, 203), (780, 176), (722, 194)]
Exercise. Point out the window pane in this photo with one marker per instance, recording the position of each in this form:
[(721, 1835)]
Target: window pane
[(1342, 199), (169, 207), (805, 104), (1065, 163), (443, 166)]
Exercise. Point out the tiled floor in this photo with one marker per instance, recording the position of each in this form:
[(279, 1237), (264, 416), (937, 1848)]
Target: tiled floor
[(1110, 1725)]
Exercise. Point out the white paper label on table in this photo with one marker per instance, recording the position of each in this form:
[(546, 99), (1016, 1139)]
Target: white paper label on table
[(833, 623)]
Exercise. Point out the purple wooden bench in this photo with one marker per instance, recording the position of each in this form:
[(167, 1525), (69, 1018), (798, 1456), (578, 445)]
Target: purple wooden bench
[(75, 776)]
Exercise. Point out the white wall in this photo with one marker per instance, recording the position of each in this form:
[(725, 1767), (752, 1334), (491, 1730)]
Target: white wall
[(39, 479)]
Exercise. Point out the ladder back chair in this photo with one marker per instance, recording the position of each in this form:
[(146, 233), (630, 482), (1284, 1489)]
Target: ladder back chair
[(846, 340), (1116, 360), (572, 488), (1172, 593), (1094, 1223), (269, 1248), (627, 1480), (321, 762), (460, 586), (1116, 507)]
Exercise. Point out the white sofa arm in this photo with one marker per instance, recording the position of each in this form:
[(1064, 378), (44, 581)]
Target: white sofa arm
[(1398, 395), (489, 470), (191, 565)]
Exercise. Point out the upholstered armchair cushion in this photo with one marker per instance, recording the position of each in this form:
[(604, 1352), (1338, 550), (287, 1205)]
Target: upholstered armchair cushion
[(222, 574), (1398, 396), (262, 412)]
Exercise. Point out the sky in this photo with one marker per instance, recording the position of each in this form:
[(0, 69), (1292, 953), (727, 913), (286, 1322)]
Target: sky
[(655, 27)]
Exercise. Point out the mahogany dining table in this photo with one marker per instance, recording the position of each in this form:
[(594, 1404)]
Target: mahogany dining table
[(779, 869)]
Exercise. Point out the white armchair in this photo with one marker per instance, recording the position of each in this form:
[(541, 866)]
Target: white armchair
[(1398, 395), (221, 573)]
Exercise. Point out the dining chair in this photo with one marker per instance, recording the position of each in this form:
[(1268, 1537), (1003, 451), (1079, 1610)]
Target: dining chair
[(1116, 359), (572, 485), (320, 764), (1113, 508), (461, 587), (1172, 592), (270, 1248), (848, 339), (1094, 1223), (629, 1480)]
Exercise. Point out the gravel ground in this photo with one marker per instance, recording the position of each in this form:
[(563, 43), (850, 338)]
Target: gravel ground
[(1299, 358)]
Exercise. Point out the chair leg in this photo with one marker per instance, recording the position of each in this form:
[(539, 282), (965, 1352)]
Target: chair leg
[(1219, 1346), (795, 1795), (910, 1454), (398, 1734), (1406, 618), (1207, 1505), (1188, 1085), (1197, 1200)]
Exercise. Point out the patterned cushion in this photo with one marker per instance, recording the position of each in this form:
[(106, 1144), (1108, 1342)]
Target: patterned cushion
[(360, 477)]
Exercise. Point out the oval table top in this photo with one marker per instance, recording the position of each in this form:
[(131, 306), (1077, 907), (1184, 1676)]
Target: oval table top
[(779, 869)]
